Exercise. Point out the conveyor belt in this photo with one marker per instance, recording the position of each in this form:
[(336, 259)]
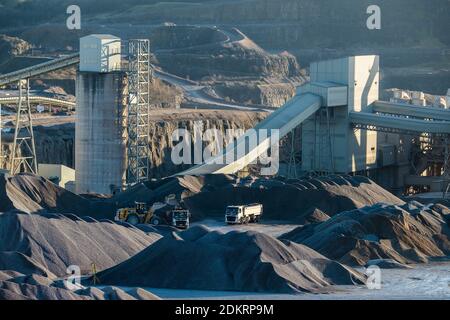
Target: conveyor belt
[(402, 124), (411, 110), (39, 69), (39, 99), (285, 119)]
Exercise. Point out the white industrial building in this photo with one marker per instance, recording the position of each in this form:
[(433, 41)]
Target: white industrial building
[(100, 53), (329, 144), (347, 130), (59, 174)]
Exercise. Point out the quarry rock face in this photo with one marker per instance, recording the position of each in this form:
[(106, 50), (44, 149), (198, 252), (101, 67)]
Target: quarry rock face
[(307, 23), (12, 46), (273, 95), (232, 62), (201, 52), (163, 125), (282, 24), (178, 37), (55, 144)]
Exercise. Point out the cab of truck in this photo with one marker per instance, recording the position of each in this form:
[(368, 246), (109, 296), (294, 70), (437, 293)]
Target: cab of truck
[(180, 218), (233, 214)]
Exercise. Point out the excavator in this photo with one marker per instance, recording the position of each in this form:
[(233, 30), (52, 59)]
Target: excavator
[(168, 213)]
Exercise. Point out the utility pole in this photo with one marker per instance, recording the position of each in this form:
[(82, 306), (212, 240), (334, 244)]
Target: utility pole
[(24, 144)]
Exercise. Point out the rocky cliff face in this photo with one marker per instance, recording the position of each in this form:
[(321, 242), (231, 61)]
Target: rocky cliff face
[(12, 46), (229, 64), (311, 23), (178, 37), (199, 52), (273, 95), (272, 23), (164, 124), (55, 144)]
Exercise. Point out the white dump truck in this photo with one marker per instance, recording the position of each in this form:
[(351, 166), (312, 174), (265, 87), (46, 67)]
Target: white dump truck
[(243, 214)]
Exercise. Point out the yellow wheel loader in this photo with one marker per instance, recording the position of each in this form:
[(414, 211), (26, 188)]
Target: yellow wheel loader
[(158, 214)]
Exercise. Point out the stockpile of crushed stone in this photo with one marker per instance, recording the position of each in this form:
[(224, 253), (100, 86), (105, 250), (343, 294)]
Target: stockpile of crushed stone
[(47, 244), (33, 194), (412, 233), (199, 259), (299, 201), (16, 286)]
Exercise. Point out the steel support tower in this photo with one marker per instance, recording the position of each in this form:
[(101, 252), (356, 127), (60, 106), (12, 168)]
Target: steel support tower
[(139, 79), (23, 156), (292, 166), (24, 136)]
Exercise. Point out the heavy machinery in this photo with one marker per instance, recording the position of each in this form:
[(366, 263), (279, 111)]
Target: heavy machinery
[(243, 214), (167, 213)]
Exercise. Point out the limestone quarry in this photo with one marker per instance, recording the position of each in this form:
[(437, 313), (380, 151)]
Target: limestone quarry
[(245, 150)]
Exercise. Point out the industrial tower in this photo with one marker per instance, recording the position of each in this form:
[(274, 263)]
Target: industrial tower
[(139, 79), (113, 102), (23, 157)]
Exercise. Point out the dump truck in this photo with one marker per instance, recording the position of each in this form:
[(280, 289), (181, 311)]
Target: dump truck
[(243, 213), (159, 213), (180, 218)]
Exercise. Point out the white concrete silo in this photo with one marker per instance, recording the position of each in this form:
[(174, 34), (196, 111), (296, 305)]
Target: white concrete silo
[(100, 150)]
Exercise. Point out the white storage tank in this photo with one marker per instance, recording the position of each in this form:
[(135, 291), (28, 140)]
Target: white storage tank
[(100, 149), (100, 53)]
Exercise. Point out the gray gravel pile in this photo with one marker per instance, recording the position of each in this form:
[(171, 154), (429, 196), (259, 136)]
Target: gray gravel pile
[(412, 233), (199, 259), (15, 286), (298, 201), (33, 194), (48, 244)]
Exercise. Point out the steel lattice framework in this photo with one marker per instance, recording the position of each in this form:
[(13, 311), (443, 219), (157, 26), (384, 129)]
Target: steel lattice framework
[(23, 157), (139, 79), (430, 138), (393, 130)]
